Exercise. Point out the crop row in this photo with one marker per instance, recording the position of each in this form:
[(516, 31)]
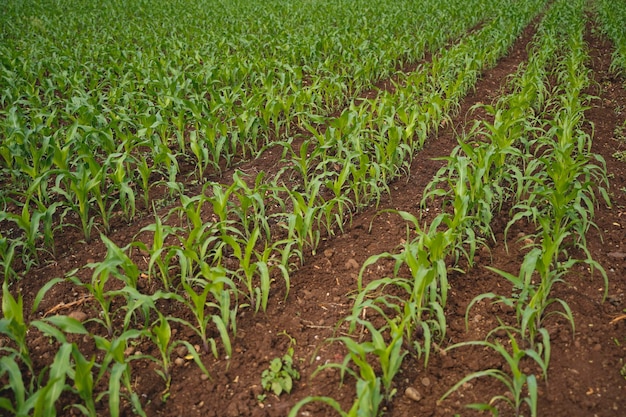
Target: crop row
[(611, 17), (536, 155)]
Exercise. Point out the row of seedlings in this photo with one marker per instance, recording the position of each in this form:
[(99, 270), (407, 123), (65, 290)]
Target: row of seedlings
[(412, 305), (552, 178), (610, 18)]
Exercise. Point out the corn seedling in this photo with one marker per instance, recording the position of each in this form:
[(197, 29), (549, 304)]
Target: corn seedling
[(211, 290), (300, 222), (531, 301), (121, 182), (161, 334), (78, 192), (116, 265), (7, 257), (523, 388), (118, 366), (33, 395), (160, 254), (14, 327), (36, 225), (251, 210), (367, 402), (389, 354)]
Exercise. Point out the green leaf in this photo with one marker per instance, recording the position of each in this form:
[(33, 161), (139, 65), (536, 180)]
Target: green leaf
[(42, 292), (277, 388), (287, 384), (117, 373), (5, 404), (67, 324), (276, 365), (16, 383)]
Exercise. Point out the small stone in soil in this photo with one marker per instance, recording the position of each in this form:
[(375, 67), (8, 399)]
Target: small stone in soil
[(78, 315), (500, 333), (256, 390), (351, 264), (412, 394), (181, 351)]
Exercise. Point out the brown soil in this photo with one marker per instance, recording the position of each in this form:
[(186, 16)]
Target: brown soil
[(584, 374)]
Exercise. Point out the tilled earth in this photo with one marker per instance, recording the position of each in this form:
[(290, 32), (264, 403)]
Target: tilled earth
[(585, 369)]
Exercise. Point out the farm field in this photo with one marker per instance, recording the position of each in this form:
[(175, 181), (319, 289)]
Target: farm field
[(313, 208)]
